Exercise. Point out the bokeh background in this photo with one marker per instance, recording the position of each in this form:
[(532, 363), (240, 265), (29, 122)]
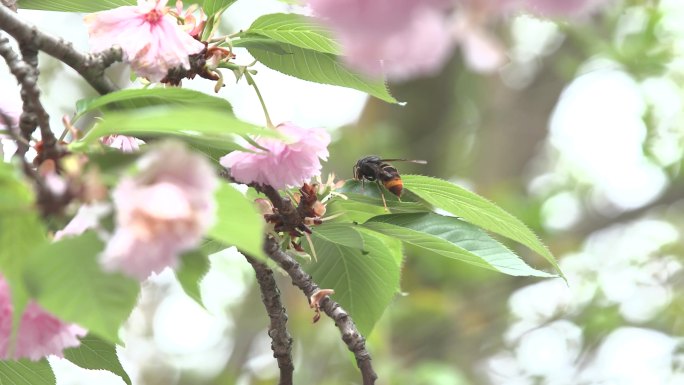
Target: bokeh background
[(580, 135)]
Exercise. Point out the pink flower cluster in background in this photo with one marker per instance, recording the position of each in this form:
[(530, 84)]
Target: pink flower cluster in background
[(40, 334), (410, 38), (162, 211), (287, 163), (401, 38), (152, 41)]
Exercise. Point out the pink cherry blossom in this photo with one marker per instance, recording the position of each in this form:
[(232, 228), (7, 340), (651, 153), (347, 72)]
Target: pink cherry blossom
[(40, 333), (481, 49), (151, 39), (87, 217), (162, 211), (121, 142), (402, 38), (285, 164)]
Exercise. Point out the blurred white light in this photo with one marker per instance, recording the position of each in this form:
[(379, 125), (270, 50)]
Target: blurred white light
[(541, 301), (551, 350), (181, 326), (632, 356), (597, 126), (306, 104), (503, 368), (226, 282), (68, 373), (646, 303), (561, 211), (533, 37)]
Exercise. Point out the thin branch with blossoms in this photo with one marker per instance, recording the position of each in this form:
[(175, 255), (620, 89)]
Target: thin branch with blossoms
[(91, 67), (293, 217), (350, 334), (47, 201), (281, 341)]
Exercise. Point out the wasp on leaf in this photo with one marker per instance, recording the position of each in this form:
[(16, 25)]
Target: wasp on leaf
[(375, 169)]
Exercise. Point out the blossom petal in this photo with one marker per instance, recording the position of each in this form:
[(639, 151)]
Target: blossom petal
[(285, 164)]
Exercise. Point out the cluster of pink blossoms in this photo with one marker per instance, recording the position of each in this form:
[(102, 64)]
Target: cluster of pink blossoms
[(161, 212), (40, 333), (399, 37), (151, 39), (408, 38), (287, 163)]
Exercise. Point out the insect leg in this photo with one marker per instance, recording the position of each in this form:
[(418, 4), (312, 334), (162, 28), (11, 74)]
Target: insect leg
[(382, 195)]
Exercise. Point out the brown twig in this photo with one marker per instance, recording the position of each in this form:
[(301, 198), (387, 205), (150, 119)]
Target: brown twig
[(350, 334), (281, 342), (34, 114), (91, 67)]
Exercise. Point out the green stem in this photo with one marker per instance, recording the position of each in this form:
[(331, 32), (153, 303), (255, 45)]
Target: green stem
[(250, 81)]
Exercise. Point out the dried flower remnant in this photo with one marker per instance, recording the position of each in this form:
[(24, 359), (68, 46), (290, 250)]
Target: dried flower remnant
[(40, 334), (315, 301), (162, 211), (152, 41), (285, 163)]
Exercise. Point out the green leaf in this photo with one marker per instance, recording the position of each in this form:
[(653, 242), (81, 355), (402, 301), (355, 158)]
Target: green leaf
[(238, 222), (194, 266), (150, 97), (360, 208), (25, 372), (476, 210), (16, 195), (320, 67), (298, 30), (97, 354), (364, 201), (344, 234), (260, 42), (195, 125), (211, 7), (451, 237), (364, 281), (21, 231), (67, 280), (352, 211), (73, 5)]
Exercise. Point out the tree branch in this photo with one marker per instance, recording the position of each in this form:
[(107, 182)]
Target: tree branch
[(281, 341), (350, 334), (91, 67), (11, 4), (34, 113)]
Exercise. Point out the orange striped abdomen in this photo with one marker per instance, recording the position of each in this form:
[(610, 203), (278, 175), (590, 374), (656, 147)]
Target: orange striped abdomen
[(395, 186)]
